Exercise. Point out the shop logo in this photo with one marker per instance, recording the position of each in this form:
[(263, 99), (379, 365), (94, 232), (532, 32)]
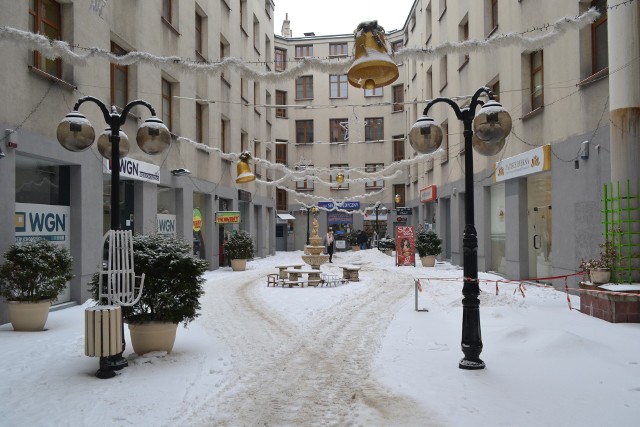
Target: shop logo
[(197, 220), (500, 171), (20, 222), (535, 161)]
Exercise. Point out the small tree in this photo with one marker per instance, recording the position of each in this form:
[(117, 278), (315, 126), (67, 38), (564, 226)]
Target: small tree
[(386, 243), (428, 243), (239, 246)]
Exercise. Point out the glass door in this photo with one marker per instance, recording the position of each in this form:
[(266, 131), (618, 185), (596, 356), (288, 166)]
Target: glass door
[(540, 221)]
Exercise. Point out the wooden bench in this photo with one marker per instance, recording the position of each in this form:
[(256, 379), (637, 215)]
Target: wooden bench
[(350, 272), (274, 279), (282, 269)]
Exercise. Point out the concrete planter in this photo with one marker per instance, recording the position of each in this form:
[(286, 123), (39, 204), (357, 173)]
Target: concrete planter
[(238, 264), (28, 316), (599, 275), (428, 260), (152, 336)]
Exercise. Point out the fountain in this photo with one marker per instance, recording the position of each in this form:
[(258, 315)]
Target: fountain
[(313, 252)]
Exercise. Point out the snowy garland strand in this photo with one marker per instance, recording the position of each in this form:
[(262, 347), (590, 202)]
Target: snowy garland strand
[(53, 49)]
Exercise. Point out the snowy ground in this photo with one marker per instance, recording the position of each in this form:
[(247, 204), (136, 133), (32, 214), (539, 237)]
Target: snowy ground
[(352, 355)]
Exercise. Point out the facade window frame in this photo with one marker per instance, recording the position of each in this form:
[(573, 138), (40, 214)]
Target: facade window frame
[(374, 129), (304, 131), (52, 28)]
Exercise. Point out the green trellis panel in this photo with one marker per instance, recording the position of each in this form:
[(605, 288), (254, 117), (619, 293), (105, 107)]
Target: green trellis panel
[(622, 227)]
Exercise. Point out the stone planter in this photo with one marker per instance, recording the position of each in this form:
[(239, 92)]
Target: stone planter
[(28, 316), (428, 260), (152, 336), (388, 252), (238, 264), (599, 275), (355, 248)]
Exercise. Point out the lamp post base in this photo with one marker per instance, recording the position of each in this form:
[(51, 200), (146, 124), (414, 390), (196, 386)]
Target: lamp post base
[(105, 372), (471, 364), (117, 362)]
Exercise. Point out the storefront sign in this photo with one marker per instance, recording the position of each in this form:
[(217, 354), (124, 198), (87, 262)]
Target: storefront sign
[(166, 225), (339, 218), (401, 219), (344, 205), (403, 211), (43, 222), (228, 217), (134, 169), (528, 163), (405, 246), (428, 194), (371, 216)]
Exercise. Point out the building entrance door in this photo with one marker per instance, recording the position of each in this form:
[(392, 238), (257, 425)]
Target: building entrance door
[(539, 222)]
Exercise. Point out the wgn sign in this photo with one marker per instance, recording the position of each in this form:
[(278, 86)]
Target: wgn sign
[(42, 222), (166, 225)]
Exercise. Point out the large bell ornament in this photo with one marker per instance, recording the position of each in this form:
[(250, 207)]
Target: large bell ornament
[(244, 170), (104, 144), (153, 137), (75, 132), (425, 135), (372, 67)]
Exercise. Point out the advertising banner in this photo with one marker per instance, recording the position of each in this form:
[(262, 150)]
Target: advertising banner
[(228, 217), (166, 225), (405, 246)]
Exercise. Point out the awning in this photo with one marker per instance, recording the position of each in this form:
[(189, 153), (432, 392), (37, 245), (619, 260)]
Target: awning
[(285, 216)]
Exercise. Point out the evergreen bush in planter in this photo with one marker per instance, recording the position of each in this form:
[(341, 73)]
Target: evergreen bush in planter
[(386, 244), (239, 246), (429, 246), (33, 276)]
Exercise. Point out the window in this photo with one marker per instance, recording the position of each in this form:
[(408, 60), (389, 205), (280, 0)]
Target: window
[(198, 34), (281, 199), (443, 72), (224, 135), (256, 95), (243, 15), (304, 131), (338, 49), (335, 170), (374, 168), (304, 87), (494, 14), (412, 21), (166, 103), (495, 88), (463, 35), (396, 46), (599, 39), (281, 152), (429, 84), (268, 8), (427, 21), (257, 171), (268, 109), (373, 92), (398, 148), (199, 122), (267, 52), (398, 189), (443, 8), (119, 79), (244, 88), (537, 80), (338, 86), (281, 99), (281, 59), (304, 183), (374, 129), (445, 142), (398, 98), (490, 17), (256, 34), (166, 9), (224, 52), (244, 141), (304, 50), (45, 18), (338, 130)]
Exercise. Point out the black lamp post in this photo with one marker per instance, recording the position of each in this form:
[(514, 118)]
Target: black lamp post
[(383, 210), (486, 133), (306, 210), (75, 133)]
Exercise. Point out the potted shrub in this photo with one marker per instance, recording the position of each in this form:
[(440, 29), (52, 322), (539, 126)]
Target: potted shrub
[(386, 245), (352, 238), (599, 269), (429, 246), (239, 247), (33, 276), (172, 289)]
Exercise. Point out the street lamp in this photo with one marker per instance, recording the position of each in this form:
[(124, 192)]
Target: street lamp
[(383, 210), (487, 136), (305, 210), (75, 133)]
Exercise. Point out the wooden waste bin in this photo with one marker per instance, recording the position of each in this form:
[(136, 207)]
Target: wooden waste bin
[(103, 330)]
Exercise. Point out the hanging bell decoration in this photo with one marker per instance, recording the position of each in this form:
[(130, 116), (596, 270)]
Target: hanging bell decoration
[(372, 67), (244, 170), (340, 178)]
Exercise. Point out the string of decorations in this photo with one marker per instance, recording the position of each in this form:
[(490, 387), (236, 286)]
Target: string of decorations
[(53, 49)]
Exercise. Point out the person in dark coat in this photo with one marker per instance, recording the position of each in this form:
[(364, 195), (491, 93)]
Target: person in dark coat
[(362, 240)]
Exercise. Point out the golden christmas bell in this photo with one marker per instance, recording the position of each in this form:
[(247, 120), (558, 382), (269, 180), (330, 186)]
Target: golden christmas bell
[(244, 170), (372, 67)]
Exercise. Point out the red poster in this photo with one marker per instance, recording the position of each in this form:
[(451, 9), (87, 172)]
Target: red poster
[(405, 246)]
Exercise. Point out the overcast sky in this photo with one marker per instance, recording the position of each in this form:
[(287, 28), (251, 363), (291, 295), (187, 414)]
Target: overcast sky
[(329, 17)]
